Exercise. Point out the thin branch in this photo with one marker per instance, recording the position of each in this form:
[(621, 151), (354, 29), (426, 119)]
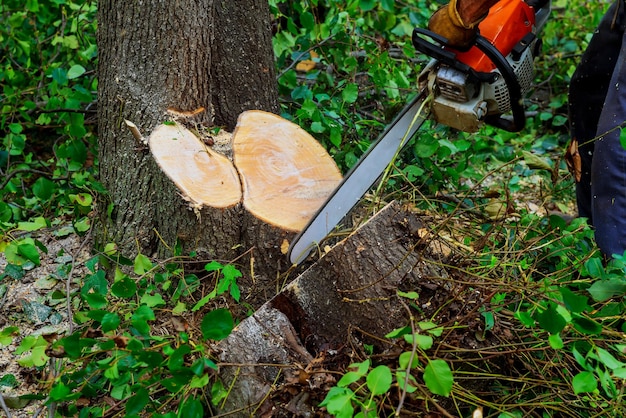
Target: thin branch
[(12, 174)]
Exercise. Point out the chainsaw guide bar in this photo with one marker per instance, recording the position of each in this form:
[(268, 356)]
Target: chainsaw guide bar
[(360, 179)]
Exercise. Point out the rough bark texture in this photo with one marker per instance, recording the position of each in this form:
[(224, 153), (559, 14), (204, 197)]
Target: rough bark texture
[(184, 55), (352, 289)]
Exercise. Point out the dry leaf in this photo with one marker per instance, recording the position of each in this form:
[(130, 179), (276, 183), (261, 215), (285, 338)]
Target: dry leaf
[(305, 66), (573, 161)]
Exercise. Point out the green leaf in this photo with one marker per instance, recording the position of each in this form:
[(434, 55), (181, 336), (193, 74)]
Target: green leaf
[(379, 380), (30, 252), (59, 392), (367, 5), (60, 76), (412, 382), (586, 326), (34, 225), (75, 71), (388, 5), (9, 380), (110, 321), (438, 377), (595, 268), (556, 342), (203, 301), (142, 264), (622, 137), (349, 378), (140, 319), (217, 324), (338, 402), (192, 408), (350, 93), (213, 266), (136, 403), (425, 342), (404, 359), (551, 320), (534, 162), (7, 334), (198, 382), (399, 332), (408, 295), (574, 302), (177, 358), (525, 318), (124, 288), (603, 290), (608, 359), (584, 382), (152, 300), (44, 188)]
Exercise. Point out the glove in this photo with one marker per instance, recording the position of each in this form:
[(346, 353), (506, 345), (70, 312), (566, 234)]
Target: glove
[(458, 21)]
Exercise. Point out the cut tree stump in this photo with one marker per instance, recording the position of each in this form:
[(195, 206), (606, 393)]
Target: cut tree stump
[(278, 178), (348, 293)]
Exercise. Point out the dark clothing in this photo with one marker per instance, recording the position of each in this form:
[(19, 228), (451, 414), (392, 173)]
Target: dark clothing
[(597, 110)]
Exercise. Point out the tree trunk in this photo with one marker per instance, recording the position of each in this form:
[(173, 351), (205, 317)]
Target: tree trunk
[(207, 59), (348, 295), (279, 174)]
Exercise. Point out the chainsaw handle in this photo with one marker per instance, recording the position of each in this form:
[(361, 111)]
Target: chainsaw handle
[(449, 58), (446, 56), (513, 87)]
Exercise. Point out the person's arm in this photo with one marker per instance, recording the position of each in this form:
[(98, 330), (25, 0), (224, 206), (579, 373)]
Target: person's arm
[(457, 21)]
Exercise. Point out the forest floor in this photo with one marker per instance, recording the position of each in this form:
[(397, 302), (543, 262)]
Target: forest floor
[(34, 301)]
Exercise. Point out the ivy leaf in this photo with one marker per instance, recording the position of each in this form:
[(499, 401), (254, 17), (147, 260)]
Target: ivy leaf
[(438, 377), (124, 288), (217, 324), (7, 334), (140, 319), (142, 264)]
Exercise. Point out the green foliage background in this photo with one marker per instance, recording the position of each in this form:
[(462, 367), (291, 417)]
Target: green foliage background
[(550, 285)]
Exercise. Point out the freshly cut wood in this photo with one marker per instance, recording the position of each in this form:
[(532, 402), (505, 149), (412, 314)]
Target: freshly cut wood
[(205, 177), (279, 173), (285, 173)]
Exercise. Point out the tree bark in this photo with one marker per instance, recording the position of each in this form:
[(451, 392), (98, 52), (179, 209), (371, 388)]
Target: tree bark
[(350, 293), (209, 59)]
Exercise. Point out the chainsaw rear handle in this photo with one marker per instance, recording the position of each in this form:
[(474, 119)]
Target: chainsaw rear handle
[(448, 57)]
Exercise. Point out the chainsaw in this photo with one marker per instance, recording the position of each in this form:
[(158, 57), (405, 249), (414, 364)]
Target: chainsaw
[(460, 89)]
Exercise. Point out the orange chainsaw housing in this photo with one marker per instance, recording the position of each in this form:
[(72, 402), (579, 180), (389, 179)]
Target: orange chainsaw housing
[(506, 24)]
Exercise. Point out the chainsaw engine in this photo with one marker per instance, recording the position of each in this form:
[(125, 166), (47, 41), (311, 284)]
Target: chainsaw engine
[(490, 79)]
